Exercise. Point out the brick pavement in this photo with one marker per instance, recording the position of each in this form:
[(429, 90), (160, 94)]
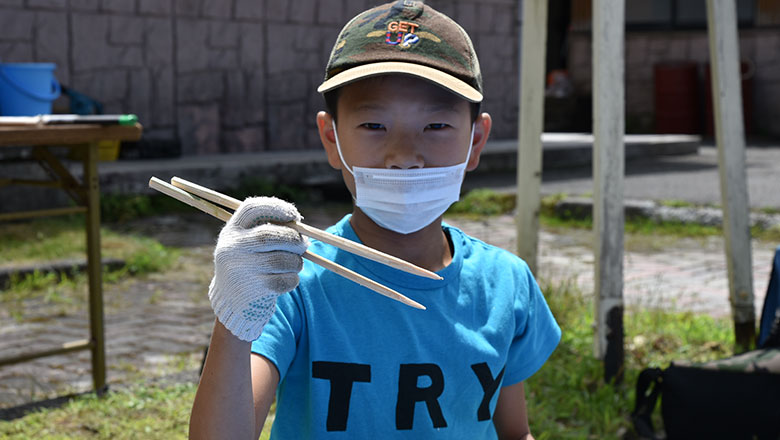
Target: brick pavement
[(158, 325), (689, 273)]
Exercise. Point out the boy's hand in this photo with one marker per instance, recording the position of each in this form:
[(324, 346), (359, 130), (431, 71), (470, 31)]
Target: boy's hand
[(255, 261)]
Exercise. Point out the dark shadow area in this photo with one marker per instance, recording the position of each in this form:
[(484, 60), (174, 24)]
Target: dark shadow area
[(16, 412), (636, 167), (633, 168), (174, 229)]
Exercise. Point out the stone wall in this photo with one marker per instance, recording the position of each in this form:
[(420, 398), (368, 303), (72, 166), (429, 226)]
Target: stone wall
[(227, 75), (759, 46)]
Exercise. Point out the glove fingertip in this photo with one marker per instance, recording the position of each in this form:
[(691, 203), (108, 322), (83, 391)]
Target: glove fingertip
[(257, 210)]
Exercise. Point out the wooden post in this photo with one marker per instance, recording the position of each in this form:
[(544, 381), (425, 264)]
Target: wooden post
[(531, 114), (608, 170), (94, 268), (730, 137)]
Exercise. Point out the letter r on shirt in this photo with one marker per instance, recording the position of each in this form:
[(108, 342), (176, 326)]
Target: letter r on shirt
[(409, 393)]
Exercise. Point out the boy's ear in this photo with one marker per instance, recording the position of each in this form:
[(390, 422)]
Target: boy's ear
[(482, 126), (328, 138)]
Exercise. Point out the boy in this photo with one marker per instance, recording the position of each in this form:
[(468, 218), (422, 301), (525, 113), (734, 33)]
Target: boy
[(403, 89)]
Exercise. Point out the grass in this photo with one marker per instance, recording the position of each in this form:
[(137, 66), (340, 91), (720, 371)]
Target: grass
[(140, 412), (770, 210), (483, 202), (64, 239), (567, 398), (676, 203)]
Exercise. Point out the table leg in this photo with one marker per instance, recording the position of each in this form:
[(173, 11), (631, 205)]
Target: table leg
[(94, 269)]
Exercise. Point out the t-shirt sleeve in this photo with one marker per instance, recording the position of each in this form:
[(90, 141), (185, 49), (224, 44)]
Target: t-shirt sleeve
[(279, 337), (536, 332)]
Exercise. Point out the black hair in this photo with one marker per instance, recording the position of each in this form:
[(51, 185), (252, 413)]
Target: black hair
[(332, 101)]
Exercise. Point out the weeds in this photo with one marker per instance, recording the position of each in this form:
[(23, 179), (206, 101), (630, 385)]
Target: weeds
[(483, 202), (568, 397), (58, 239), (141, 412)]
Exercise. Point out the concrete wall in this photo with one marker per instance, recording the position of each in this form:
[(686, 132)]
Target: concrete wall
[(227, 75), (760, 46)]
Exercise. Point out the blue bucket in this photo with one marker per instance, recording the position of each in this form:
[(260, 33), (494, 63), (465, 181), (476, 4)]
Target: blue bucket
[(27, 89)]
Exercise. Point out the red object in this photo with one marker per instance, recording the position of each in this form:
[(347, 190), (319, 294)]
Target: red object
[(747, 71), (676, 97)]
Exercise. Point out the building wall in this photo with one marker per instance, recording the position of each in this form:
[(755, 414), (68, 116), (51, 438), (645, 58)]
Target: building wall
[(760, 47), (227, 75)]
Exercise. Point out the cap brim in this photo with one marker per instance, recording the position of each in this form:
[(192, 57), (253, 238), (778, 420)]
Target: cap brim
[(449, 82)]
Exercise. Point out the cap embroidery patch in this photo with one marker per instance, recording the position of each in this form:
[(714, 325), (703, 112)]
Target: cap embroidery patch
[(404, 33)]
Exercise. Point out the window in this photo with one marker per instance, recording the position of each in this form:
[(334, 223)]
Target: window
[(664, 15), (680, 14)]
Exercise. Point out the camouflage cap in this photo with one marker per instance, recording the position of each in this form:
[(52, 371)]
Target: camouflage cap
[(405, 37)]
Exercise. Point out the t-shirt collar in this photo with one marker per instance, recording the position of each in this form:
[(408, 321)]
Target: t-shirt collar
[(395, 278)]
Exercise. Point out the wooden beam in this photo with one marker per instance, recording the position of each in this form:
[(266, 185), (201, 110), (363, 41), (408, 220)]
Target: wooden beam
[(57, 171), (67, 347), (67, 134), (529, 148), (42, 213), (608, 170), (730, 137)]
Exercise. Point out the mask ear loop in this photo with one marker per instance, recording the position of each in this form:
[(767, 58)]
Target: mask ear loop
[(341, 156), (471, 143), (338, 147)]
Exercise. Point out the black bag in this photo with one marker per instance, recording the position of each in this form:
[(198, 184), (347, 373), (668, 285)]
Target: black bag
[(732, 398), (769, 327)]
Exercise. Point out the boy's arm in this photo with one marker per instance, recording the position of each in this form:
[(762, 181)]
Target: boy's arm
[(265, 379), (235, 392), (511, 417), (254, 262)]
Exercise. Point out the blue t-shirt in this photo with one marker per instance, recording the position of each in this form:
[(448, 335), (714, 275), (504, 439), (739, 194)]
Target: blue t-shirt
[(354, 364)]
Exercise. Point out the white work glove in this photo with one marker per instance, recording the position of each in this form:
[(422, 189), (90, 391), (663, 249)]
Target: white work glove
[(254, 262)]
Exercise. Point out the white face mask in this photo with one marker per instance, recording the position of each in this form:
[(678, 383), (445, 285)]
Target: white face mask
[(406, 201)]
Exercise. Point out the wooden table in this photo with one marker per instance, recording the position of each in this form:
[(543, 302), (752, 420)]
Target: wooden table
[(82, 140)]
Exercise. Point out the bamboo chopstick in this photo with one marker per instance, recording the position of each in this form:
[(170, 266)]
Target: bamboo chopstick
[(182, 196), (209, 208), (334, 240)]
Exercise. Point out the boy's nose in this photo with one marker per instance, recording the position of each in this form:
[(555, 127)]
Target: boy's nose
[(404, 156)]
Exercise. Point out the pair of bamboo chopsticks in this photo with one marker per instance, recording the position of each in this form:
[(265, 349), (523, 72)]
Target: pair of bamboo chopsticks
[(198, 197)]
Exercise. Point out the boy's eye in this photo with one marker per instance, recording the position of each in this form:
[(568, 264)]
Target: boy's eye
[(436, 126), (372, 125)]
